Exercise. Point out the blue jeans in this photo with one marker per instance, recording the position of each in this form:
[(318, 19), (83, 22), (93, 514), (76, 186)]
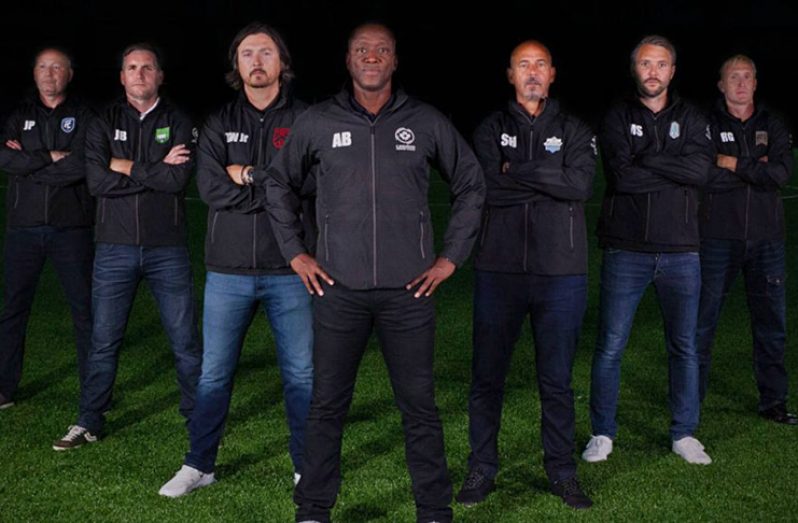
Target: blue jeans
[(555, 306), (118, 269), (230, 302), (625, 276), (763, 268), (26, 250)]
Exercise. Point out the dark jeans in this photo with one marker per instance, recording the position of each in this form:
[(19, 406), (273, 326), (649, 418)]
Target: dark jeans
[(118, 269), (405, 326), (625, 275), (556, 307), (230, 301), (762, 265), (26, 249)]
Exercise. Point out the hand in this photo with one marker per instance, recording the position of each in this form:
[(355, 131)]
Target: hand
[(235, 172), (726, 162), (121, 166), (58, 155), (309, 271), (432, 277), (13, 144), (177, 155), (505, 167), (764, 159)]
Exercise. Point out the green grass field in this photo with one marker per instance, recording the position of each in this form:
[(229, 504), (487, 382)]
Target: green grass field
[(754, 476)]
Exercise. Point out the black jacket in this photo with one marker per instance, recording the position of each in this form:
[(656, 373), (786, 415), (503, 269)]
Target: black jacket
[(373, 177), (534, 219), (148, 207), (746, 204), (239, 238), (40, 191), (654, 164)]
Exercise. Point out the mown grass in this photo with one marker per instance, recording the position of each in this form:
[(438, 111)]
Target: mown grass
[(753, 477)]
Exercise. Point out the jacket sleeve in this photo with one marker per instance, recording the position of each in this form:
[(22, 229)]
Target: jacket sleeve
[(162, 177), (459, 166), (215, 186), (102, 181), (285, 179), (72, 169), (573, 179), (19, 163), (691, 165), (623, 173), (718, 178), (776, 172)]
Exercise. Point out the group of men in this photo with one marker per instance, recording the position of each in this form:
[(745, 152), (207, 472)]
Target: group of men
[(321, 216)]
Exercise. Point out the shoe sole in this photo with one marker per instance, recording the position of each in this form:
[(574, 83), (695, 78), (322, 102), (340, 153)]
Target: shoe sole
[(62, 449), (203, 483), (7, 405), (595, 460)]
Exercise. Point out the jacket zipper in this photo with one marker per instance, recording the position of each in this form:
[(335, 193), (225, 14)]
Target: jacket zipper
[(50, 146), (648, 214), (571, 225), (16, 195), (484, 227), (374, 198), (421, 240), (526, 233), (102, 214), (213, 226), (138, 158), (326, 241), (259, 161), (747, 189), (46, 204)]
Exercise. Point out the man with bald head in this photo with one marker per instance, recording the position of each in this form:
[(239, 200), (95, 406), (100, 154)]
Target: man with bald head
[(371, 148), (743, 230), (531, 261), (49, 212), (656, 151)]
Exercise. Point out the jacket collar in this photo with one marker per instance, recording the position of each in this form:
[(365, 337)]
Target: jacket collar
[(279, 102), (550, 109), (346, 99)]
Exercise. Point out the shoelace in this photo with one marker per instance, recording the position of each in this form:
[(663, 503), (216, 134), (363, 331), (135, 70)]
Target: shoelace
[(474, 479), (74, 433)]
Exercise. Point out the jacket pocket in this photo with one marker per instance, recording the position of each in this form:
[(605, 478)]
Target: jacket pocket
[(571, 225), (421, 235), (102, 209), (16, 194), (326, 237), (686, 207), (213, 226), (485, 222)]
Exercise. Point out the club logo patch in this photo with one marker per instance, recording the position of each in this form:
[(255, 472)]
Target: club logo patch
[(761, 138), (674, 132), (405, 137), (552, 144), (68, 124), (162, 135), (279, 136)]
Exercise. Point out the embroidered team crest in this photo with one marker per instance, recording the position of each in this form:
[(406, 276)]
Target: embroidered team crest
[(162, 135), (552, 144), (279, 136), (68, 124), (761, 138), (674, 132)]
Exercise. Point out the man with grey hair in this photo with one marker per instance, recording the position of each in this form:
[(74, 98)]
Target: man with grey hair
[(742, 230), (656, 155), (138, 164), (245, 266), (49, 212)]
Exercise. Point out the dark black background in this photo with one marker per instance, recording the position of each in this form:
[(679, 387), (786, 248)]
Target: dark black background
[(451, 54)]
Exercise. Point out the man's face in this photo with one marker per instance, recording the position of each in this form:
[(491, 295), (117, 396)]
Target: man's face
[(141, 76), (371, 58), (258, 61), (654, 69), (52, 73), (531, 72), (738, 83)]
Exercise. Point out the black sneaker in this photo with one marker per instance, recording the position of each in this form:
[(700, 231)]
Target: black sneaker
[(571, 493), (75, 437), (777, 414), (476, 488)]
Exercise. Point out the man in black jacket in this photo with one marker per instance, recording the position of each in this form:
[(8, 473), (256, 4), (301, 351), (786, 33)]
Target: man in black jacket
[(245, 266), (49, 212), (656, 153), (138, 165), (371, 148), (531, 260), (742, 229)]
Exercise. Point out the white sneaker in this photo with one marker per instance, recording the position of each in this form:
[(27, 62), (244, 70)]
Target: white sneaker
[(691, 450), (186, 480), (597, 449), (297, 477)]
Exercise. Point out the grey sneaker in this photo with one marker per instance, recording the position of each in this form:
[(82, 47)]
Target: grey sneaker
[(74, 438), (186, 480), (597, 449), (691, 450)]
